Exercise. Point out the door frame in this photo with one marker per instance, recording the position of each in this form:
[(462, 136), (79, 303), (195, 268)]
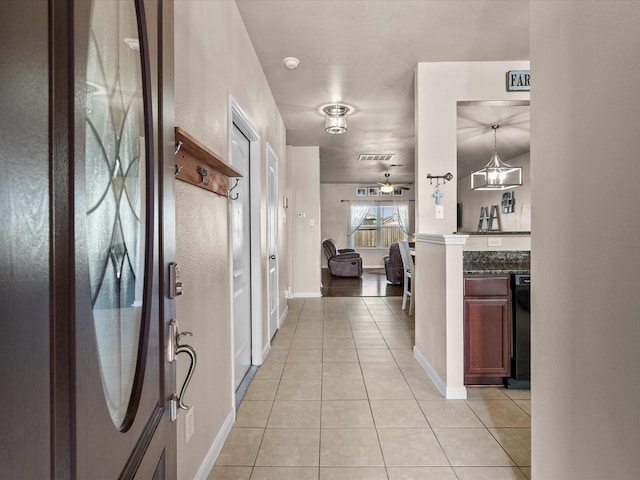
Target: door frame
[(272, 157), (238, 117)]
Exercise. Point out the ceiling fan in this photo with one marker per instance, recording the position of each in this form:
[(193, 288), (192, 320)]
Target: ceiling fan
[(388, 187)]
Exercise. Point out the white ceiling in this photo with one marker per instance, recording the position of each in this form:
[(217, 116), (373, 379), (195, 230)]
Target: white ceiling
[(363, 53)]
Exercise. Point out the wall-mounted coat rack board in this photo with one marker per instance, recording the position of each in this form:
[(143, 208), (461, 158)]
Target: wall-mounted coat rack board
[(199, 166)]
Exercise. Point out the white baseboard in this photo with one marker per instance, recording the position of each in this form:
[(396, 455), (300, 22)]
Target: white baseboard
[(450, 393), (283, 315), (307, 295), (210, 460), (265, 352)]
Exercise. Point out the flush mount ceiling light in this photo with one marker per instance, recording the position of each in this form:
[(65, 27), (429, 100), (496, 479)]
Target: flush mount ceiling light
[(496, 175), (335, 118), (291, 62)]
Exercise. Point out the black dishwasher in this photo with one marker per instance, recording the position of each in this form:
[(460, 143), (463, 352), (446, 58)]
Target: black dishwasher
[(521, 333)]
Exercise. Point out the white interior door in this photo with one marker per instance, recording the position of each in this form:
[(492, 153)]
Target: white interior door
[(240, 224), (272, 229)]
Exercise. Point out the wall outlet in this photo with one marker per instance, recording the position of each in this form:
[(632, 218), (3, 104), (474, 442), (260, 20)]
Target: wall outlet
[(189, 424), (494, 242), (439, 211)]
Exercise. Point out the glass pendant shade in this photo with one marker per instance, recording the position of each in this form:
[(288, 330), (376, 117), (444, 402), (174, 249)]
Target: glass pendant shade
[(386, 188), (496, 175), (335, 119)]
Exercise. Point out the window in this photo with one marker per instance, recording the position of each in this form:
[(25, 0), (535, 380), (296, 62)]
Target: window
[(379, 229)]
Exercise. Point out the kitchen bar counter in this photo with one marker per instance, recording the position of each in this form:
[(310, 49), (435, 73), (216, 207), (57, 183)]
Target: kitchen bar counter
[(496, 262)]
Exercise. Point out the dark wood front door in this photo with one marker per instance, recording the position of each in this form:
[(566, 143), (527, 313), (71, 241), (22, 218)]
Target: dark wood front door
[(87, 236)]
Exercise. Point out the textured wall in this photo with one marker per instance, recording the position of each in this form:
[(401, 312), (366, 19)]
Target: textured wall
[(585, 236), (214, 59)]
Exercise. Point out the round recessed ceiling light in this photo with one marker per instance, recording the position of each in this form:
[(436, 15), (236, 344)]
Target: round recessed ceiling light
[(291, 62)]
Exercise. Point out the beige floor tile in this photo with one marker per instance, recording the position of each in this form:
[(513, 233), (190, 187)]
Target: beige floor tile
[(489, 473), (269, 371), (403, 355), (306, 343), (421, 473), (281, 342), (339, 356), (240, 447), (412, 369), (360, 317), (305, 356), (518, 394), (299, 371), (449, 413), (486, 393), (367, 334), (500, 413), (399, 342), (424, 389), (375, 355), (348, 371), (299, 389), (230, 473), (527, 472), (285, 473), (517, 443), (346, 414), (342, 331), (337, 388), (411, 447), (289, 447), (397, 413), (524, 405), (276, 356), (362, 325), (388, 389), (350, 447), (262, 390), (364, 343), (353, 473), (338, 343), (253, 413), (295, 414), (471, 447)]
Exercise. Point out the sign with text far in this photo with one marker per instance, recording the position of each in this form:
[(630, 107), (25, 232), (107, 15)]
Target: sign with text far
[(518, 80)]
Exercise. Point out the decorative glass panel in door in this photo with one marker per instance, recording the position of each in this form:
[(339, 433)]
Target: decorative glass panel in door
[(116, 201)]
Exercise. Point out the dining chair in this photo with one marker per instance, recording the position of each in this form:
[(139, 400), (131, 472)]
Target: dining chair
[(409, 274)]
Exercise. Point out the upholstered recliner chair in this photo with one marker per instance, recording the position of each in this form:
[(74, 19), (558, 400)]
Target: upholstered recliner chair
[(345, 262), (393, 265)]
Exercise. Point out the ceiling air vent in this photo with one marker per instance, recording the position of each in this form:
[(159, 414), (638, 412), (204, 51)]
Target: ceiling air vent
[(376, 157)]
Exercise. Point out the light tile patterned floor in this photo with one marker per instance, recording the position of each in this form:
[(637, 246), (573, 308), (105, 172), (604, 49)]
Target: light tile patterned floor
[(341, 397)]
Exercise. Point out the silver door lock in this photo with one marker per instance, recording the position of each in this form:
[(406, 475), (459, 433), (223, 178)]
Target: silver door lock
[(175, 284)]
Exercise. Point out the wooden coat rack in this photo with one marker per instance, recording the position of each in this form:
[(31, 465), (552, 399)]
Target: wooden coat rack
[(199, 166)]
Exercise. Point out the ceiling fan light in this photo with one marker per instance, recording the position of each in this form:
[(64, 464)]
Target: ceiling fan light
[(386, 188)]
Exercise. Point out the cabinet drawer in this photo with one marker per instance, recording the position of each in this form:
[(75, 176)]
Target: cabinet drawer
[(486, 286)]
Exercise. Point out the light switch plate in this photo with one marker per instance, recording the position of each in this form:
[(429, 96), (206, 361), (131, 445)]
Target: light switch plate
[(439, 211)]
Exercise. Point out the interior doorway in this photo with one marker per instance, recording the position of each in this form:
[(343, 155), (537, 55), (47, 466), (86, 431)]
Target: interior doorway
[(244, 239)]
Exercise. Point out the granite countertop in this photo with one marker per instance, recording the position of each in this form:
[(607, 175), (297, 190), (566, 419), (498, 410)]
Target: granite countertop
[(497, 262), (494, 232)]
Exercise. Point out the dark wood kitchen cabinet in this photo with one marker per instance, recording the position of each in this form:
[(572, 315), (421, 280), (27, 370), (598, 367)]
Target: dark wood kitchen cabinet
[(487, 329)]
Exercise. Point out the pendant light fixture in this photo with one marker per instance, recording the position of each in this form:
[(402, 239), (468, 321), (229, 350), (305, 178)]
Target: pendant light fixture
[(335, 118), (496, 175)]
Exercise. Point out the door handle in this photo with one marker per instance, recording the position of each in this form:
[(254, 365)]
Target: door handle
[(272, 257), (176, 348)]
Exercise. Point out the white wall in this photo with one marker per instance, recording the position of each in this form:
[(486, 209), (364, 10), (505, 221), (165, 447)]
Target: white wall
[(304, 168), (439, 88), (585, 237), (335, 217), (472, 200), (214, 59)]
